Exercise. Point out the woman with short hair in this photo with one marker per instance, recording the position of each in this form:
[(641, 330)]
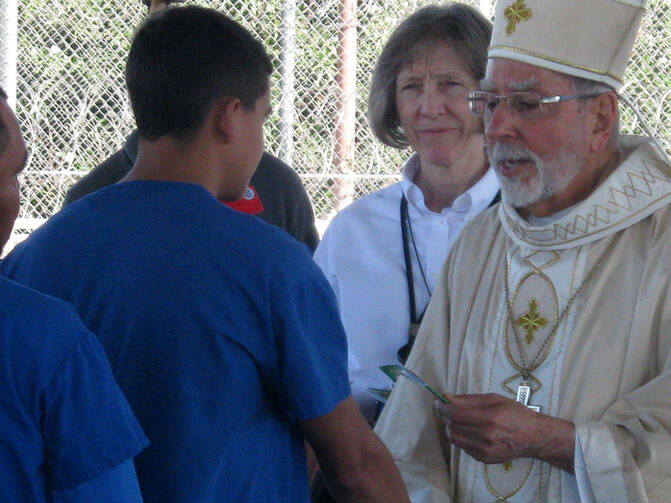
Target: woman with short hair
[(383, 253)]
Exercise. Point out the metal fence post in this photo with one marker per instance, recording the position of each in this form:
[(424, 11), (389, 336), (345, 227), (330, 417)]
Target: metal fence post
[(287, 85), (346, 124)]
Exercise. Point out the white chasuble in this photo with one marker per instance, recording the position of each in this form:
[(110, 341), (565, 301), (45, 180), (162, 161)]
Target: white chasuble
[(577, 312), (541, 284)]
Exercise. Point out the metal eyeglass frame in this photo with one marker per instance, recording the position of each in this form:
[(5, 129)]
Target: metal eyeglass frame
[(475, 96)]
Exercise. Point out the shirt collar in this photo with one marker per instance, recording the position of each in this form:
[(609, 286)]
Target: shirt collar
[(474, 200)]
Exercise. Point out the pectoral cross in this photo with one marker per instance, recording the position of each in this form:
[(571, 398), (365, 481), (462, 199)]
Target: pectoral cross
[(523, 394)]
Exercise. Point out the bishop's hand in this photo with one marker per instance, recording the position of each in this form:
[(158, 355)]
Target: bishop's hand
[(495, 429)]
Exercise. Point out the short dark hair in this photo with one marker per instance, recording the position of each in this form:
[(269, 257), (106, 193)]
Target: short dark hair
[(184, 59), (458, 25)]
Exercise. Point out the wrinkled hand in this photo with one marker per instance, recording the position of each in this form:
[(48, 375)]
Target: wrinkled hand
[(494, 429)]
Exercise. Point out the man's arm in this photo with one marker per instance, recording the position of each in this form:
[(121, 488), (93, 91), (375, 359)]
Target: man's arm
[(356, 464), (89, 433), (494, 429)]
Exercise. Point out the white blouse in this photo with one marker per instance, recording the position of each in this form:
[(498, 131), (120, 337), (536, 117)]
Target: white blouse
[(361, 254)]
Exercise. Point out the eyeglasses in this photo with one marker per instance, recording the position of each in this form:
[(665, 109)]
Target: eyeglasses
[(525, 103)]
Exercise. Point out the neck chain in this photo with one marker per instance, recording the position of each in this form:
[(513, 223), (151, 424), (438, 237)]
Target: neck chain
[(526, 368)]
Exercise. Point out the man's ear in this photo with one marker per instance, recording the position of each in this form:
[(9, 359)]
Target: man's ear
[(226, 118), (604, 111)]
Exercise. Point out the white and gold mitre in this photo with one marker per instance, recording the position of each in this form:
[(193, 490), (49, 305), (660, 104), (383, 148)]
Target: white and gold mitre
[(591, 39)]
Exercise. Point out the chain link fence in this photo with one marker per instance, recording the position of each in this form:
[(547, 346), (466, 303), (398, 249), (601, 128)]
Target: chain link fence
[(73, 109)]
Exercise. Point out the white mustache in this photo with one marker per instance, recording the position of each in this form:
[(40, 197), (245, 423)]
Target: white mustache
[(504, 152)]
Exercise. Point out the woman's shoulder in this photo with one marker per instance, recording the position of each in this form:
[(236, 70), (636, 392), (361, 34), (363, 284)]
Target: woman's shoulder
[(382, 201), (368, 216)]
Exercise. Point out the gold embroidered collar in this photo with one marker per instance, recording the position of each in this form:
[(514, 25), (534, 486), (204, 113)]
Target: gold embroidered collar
[(640, 185)]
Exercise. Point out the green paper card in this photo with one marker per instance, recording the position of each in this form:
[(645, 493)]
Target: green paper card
[(394, 371)]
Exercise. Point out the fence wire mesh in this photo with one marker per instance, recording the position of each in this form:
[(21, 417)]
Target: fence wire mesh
[(73, 109)]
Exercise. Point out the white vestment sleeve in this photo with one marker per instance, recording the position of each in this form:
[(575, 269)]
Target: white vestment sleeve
[(584, 487), (414, 436), (606, 465)]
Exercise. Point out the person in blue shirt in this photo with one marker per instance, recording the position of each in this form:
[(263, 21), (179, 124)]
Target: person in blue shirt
[(220, 329), (67, 434)]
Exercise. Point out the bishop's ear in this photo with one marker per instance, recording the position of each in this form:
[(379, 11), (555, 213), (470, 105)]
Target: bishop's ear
[(605, 114)]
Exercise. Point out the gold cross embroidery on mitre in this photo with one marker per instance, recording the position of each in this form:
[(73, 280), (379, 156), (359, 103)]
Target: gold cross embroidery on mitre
[(516, 13), (531, 321)]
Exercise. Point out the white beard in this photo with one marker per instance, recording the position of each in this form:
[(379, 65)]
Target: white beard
[(551, 175)]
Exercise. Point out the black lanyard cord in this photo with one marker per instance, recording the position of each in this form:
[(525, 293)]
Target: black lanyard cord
[(406, 227), (408, 260)]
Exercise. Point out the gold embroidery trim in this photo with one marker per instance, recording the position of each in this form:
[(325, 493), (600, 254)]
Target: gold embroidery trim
[(554, 60), (565, 333), (533, 365), (536, 242), (504, 497), (502, 322), (602, 212), (539, 268)]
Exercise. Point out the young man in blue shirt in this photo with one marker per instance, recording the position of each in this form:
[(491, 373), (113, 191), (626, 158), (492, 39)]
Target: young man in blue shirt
[(222, 332)]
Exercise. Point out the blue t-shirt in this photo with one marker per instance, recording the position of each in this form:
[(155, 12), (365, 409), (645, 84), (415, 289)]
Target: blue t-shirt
[(220, 330), (63, 419)]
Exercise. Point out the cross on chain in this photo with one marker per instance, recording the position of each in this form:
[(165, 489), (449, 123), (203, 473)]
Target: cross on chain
[(523, 394)]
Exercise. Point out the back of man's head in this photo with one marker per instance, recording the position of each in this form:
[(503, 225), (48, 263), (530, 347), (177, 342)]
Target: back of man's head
[(183, 60)]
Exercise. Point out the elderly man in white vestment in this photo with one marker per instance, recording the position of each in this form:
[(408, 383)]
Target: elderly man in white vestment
[(550, 330)]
